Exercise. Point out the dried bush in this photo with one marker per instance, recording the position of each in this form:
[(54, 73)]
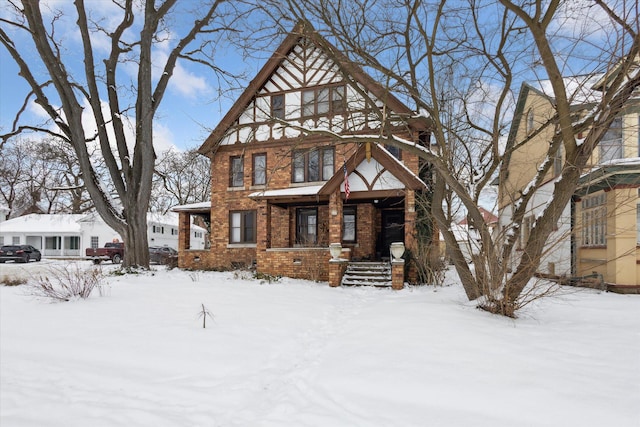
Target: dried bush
[(12, 281), (66, 282)]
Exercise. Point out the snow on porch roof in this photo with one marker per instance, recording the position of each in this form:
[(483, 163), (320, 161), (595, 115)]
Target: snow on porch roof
[(309, 190), (193, 207)]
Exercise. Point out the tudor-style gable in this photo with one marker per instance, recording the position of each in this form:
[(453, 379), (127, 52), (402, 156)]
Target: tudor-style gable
[(307, 84)]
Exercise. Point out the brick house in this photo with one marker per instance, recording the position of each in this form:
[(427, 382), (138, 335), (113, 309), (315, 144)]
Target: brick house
[(278, 170)]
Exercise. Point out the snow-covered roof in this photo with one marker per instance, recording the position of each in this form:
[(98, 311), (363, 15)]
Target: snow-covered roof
[(43, 223), (68, 223), (308, 190), (580, 89), (200, 206)]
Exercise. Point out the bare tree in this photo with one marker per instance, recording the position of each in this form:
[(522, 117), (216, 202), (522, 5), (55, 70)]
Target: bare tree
[(12, 163), (460, 64), (104, 92), (181, 178)]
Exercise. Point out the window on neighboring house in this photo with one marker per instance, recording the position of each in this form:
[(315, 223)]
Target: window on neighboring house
[(323, 101), (349, 224), (277, 106), (307, 226), (594, 220), (242, 227), (259, 169), (638, 224), (557, 161), (611, 143), (314, 165), (1, 240), (95, 242), (530, 120), (72, 242), (15, 240), (527, 223), (53, 242), (236, 171)]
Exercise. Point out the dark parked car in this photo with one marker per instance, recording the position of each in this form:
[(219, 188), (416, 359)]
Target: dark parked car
[(19, 253), (163, 255)]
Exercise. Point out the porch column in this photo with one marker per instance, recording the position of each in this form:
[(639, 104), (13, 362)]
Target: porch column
[(397, 274), (184, 231), (263, 233), (410, 219), (335, 217)]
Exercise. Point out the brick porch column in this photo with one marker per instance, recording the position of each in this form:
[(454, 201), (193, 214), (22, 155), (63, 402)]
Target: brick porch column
[(397, 274), (184, 231), (337, 268), (263, 232), (335, 217)]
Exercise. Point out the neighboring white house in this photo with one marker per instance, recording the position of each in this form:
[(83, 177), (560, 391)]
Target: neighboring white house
[(68, 235)]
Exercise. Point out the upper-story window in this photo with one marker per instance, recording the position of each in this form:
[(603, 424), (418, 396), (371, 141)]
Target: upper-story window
[(530, 120), (277, 106), (236, 171), (260, 169), (611, 147), (323, 101), (314, 165)]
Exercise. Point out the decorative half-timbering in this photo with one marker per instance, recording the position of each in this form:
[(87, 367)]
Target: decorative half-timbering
[(294, 167)]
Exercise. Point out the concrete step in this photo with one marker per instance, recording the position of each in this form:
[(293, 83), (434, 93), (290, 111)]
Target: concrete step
[(367, 274)]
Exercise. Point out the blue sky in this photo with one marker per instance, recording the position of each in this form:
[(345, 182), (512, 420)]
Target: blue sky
[(194, 101)]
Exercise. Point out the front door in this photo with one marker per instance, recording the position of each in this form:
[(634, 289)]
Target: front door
[(392, 231)]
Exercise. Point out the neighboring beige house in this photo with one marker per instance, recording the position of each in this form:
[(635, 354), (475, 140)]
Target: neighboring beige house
[(599, 232)]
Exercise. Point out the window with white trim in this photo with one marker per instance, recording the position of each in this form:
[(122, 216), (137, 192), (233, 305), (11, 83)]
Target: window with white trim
[(611, 147), (594, 220)]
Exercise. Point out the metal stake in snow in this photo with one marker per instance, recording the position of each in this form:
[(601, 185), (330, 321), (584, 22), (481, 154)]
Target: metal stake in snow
[(204, 313)]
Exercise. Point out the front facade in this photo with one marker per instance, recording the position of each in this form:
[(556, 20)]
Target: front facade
[(68, 235), (278, 196), (599, 231)]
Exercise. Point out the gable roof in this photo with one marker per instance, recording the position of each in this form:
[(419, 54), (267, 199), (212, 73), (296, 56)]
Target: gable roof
[(382, 156), (304, 30)]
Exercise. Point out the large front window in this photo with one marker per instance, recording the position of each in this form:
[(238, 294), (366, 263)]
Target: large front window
[(242, 227), (307, 226), (314, 165)]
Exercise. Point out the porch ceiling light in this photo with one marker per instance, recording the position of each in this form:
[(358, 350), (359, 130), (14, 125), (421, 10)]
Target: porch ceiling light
[(335, 249), (397, 250)]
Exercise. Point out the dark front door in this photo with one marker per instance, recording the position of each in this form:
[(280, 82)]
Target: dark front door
[(392, 231)]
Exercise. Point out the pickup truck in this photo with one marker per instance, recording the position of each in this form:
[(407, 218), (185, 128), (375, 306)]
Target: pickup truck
[(113, 251)]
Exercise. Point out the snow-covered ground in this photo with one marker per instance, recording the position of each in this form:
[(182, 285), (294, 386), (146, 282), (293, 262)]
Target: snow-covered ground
[(296, 353)]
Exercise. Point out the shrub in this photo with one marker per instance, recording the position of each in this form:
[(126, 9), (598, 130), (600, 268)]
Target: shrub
[(12, 281), (65, 282)]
